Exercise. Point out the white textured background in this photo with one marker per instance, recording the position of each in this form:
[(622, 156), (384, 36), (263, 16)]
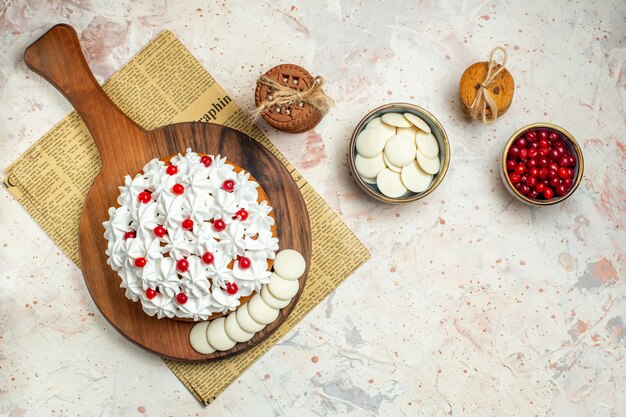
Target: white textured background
[(472, 304)]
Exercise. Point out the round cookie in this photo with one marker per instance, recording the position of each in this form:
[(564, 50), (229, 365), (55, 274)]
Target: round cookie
[(217, 337), (272, 301), (298, 117), (377, 122), (400, 150), (501, 90), (234, 330), (289, 264), (390, 165), (414, 178), (260, 311), (370, 142), (430, 166), (407, 131), (395, 119), (198, 338), (369, 167), (246, 322), (427, 144), (369, 180), (417, 122), (390, 183), (281, 288)]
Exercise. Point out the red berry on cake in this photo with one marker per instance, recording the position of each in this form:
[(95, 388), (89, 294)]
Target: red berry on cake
[(231, 288), (244, 263), (178, 189), (171, 170), (144, 197), (182, 265), (229, 185), (181, 298), (219, 225), (187, 224), (160, 231), (150, 293), (140, 262), (241, 215), (206, 160), (131, 234), (208, 258)]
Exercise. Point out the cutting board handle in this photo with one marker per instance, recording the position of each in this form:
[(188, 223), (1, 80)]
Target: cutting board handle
[(58, 58)]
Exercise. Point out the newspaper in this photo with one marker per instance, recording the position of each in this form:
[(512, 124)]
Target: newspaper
[(165, 84)]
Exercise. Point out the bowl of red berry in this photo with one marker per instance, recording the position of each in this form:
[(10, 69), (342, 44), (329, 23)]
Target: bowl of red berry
[(542, 164)]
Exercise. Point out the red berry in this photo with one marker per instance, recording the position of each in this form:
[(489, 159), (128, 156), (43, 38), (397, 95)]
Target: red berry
[(524, 189), (572, 161), (523, 154), (533, 172), (160, 231), (540, 187), (563, 173), (531, 163), (521, 143), (241, 215), (568, 182), (144, 197), (555, 182), (513, 151), (542, 161), (182, 265), (561, 189), (515, 178), (553, 136), (543, 134), (544, 143), (181, 298), (140, 262), (532, 152), (228, 185), (232, 288), (219, 225), (130, 234), (543, 173), (533, 145), (570, 172), (187, 224), (206, 160), (244, 263), (531, 136), (178, 189), (531, 181), (150, 293), (543, 151), (208, 258), (564, 161), (533, 194), (171, 170), (554, 154), (548, 193), (520, 168)]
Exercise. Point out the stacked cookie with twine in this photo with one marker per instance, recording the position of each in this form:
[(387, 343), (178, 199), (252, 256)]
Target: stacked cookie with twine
[(487, 88)]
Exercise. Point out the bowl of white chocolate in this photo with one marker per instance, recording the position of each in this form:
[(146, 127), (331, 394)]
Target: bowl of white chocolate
[(399, 153)]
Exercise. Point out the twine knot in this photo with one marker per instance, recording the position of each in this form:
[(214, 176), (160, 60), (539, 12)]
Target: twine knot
[(483, 99), (286, 96)]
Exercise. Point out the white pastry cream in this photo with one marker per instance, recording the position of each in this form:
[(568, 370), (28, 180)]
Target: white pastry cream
[(189, 239)]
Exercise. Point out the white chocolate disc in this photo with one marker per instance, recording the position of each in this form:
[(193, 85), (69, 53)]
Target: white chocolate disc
[(427, 144), (281, 288), (377, 122), (272, 301), (390, 165), (198, 338), (369, 167), (390, 184), (407, 131), (430, 166), (217, 337), (368, 180), (289, 264), (414, 178), (234, 330), (260, 311), (400, 150), (417, 122), (395, 119), (246, 322), (370, 142)]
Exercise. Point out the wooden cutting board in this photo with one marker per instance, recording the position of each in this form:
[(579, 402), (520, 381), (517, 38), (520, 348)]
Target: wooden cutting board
[(125, 148)]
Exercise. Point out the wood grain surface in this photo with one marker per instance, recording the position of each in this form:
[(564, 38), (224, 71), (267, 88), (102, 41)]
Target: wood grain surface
[(125, 148)]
